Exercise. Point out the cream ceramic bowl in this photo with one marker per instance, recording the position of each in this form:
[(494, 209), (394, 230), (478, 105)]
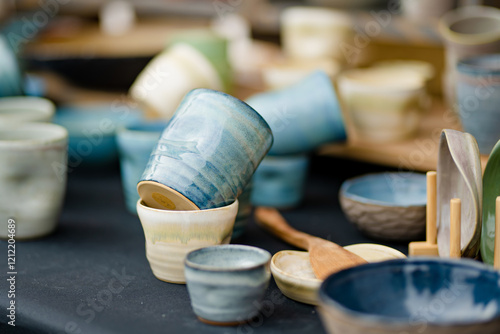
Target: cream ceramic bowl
[(171, 235), (25, 109), (384, 105), (295, 277)]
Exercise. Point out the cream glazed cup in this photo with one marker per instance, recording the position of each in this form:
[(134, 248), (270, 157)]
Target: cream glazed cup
[(32, 177), (172, 234)]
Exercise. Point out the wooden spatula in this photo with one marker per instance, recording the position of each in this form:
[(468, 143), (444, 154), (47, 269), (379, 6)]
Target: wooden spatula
[(326, 257)]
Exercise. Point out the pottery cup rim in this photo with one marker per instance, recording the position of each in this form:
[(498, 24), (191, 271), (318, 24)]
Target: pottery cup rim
[(25, 135), (36, 108)]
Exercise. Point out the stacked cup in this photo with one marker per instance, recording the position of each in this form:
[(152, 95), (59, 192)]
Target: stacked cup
[(302, 117), (201, 164)]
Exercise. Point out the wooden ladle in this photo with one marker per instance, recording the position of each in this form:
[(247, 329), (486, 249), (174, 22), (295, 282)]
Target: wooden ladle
[(326, 257)]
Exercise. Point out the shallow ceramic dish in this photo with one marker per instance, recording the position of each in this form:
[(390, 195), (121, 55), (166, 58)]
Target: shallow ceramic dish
[(491, 189), (295, 277), (171, 235), (25, 109), (227, 283), (92, 129), (388, 206), (433, 296), (459, 175)]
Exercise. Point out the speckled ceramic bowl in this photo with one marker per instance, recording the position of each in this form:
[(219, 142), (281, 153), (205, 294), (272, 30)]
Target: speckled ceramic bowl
[(25, 109), (170, 235), (295, 277), (206, 155), (388, 206), (432, 296), (227, 283)]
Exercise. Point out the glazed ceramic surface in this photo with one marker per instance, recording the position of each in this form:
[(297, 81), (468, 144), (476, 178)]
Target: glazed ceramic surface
[(302, 116), (295, 277), (244, 211), (164, 82), (459, 175), (25, 109), (171, 235), (207, 154), (135, 143), (92, 131), (491, 189), (11, 79), (33, 177), (467, 31), (388, 206), (227, 283), (279, 181), (434, 296), (478, 97), (384, 105)]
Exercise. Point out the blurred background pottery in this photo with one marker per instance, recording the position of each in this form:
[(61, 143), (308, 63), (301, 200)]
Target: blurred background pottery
[(295, 277), (388, 206), (491, 189), (92, 131), (384, 104), (206, 155), (404, 296), (226, 284), (33, 177), (279, 181), (11, 76), (172, 234), (426, 11), (302, 116), (170, 75), (478, 98), (420, 67), (135, 143), (459, 175), (244, 211), (25, 109), (467, 31)]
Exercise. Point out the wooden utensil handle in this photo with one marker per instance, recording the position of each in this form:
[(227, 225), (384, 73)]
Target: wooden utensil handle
[(271, 220)]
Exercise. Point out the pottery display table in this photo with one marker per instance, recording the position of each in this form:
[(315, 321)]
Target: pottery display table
[(92, 275)]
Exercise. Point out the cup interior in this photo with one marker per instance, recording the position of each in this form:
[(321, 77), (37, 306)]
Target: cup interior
[(476, 25), (227, 258)]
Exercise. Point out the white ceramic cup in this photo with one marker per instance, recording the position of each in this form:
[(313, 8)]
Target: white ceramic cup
[(32, 177), (25, 109)]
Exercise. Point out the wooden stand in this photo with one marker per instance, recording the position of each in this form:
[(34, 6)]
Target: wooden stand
[(455, 231)]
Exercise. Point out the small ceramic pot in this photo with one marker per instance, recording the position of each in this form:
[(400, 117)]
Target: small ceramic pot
[(11, 78), (244, 211), (163, 83), (135, 143), (426, 11), (312, 33), (279, 181), (227, 283), (206, 155), (25, 109), (423, 68), (92, 131), (459, 175), (478, 95), (467, 31), (302, 116), (415, 295), (171, 235), (387, 206), (33, 177), (384, 105)]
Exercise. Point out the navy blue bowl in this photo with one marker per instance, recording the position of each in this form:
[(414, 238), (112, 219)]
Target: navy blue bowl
[(414, 296)]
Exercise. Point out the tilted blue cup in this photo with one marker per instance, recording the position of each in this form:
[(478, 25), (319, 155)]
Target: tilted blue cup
[(302, 116), (207, 153)]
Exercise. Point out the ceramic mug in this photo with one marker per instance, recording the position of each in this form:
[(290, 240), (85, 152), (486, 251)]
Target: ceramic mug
[(279, 181), (135, 143), (478, 98), (25, 109), (302, 116), (467, 31), (206, 155), (33, 177), (161, 86)]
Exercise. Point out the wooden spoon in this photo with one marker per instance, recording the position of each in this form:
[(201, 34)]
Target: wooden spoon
[(326, 257)]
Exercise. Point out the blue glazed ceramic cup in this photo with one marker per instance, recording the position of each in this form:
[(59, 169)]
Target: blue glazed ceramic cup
[(302, 116), (135, 143), (279, 181), (227, 283), (206, 155), (478, 98)]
